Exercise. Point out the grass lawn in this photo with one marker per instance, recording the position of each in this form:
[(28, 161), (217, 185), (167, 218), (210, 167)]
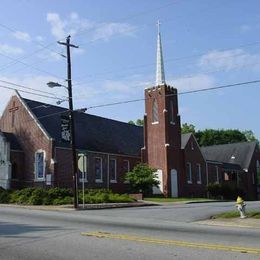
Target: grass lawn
[(175, 199), (235, 214)]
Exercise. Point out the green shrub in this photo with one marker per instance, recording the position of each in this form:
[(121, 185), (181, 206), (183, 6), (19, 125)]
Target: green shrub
[(226, 191), (5, 196), (63, 201), (58, 196)]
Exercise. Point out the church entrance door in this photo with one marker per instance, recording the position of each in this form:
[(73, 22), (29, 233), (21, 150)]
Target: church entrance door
[(174, 183), (5, 166)]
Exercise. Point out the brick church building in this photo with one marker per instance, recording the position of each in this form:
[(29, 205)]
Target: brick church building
[(33, 151)]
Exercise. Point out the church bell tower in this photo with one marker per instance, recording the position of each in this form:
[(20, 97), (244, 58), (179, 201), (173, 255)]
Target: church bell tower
[(162, 131)]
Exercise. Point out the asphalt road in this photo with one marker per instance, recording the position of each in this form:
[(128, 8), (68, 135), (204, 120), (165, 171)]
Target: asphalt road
[(157, 232)]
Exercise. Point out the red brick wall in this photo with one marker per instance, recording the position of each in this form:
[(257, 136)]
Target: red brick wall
[(162, 140), (29, 135), (193, 155), (63, 168)]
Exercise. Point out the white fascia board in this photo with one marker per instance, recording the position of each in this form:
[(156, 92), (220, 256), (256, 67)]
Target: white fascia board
[(33, 116)]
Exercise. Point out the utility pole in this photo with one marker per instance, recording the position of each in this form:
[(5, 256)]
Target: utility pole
[(72, 126)]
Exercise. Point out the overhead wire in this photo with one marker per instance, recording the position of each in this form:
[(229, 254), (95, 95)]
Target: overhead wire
[(181, 93), (29, 92), (29, 88), (170, 60), (143, 99)]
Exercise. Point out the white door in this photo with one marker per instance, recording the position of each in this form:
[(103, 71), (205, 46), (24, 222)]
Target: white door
[(159, 189), (174, 183)]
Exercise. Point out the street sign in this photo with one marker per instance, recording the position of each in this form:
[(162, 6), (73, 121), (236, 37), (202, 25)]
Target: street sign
[(82, 163), (65, 129)]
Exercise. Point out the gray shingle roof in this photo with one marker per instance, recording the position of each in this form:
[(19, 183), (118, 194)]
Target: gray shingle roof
[(236, 153), (92, 133), (184, 139)]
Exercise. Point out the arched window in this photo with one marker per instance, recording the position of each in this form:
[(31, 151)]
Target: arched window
[(155, 111), (171, 114), (40, 165)]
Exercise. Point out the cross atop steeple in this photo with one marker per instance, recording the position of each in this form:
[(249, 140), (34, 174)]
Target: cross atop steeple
[(160, 77)]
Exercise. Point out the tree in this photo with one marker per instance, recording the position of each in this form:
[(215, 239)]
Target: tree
[(187, 128), (249, 135), (131, 122), (209, 137), (142, 178), (138, 122)]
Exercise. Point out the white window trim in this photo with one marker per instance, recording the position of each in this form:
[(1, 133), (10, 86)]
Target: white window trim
[(44, 165), (128, 169), (217, 174), (198, 166), (153, 104), (99, 180), (113, 180), (189, 180)]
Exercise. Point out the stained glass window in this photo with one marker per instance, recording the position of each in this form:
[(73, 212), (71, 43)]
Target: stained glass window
[(155, 111), (39, 165), (98, 169)]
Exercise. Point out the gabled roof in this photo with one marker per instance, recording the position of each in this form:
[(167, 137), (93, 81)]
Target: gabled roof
[(11, 139), (92, 133), (184, 139), (235, 153)]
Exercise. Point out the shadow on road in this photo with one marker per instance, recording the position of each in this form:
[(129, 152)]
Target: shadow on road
[(12, 230)]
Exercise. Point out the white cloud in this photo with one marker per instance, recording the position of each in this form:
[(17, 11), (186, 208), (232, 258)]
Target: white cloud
[(60, 28), (105, 31), (22, 36), (229, 59), (200, 81), (57, 26), (10, 50), (29, 81)]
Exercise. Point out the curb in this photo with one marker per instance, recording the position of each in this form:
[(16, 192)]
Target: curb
[(87, 206)]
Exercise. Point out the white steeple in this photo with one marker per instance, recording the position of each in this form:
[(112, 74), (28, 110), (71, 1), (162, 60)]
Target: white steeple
[(160, 77)]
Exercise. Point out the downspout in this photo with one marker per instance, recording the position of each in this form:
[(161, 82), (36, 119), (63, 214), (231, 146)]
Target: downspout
[(207, 177), (108, 159)]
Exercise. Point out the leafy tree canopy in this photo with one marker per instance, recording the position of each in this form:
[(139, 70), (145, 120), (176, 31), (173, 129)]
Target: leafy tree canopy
[(209, 137), (188, 128), (138, 122), (142, 178)]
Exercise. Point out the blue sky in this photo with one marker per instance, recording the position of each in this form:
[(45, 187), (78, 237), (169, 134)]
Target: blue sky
[(205, 44)]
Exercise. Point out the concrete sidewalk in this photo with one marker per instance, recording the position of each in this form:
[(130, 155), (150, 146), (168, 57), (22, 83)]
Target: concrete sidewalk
[(232, 222)]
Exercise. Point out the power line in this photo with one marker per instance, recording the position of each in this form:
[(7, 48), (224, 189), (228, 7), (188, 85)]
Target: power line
[(172, 60), (181, 93), (80, 33), (28, 65), (143, 99), (22, 86), (35, 42), (32, 93)]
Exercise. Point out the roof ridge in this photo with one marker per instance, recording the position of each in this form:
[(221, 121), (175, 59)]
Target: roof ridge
[(246, 142), (86, 114)]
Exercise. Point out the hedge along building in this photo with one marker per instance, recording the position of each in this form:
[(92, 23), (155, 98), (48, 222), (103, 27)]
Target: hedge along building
[(33, 152)]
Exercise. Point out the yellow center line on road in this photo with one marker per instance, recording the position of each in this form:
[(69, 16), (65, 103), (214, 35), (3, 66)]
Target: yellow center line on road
[(173, 242)]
